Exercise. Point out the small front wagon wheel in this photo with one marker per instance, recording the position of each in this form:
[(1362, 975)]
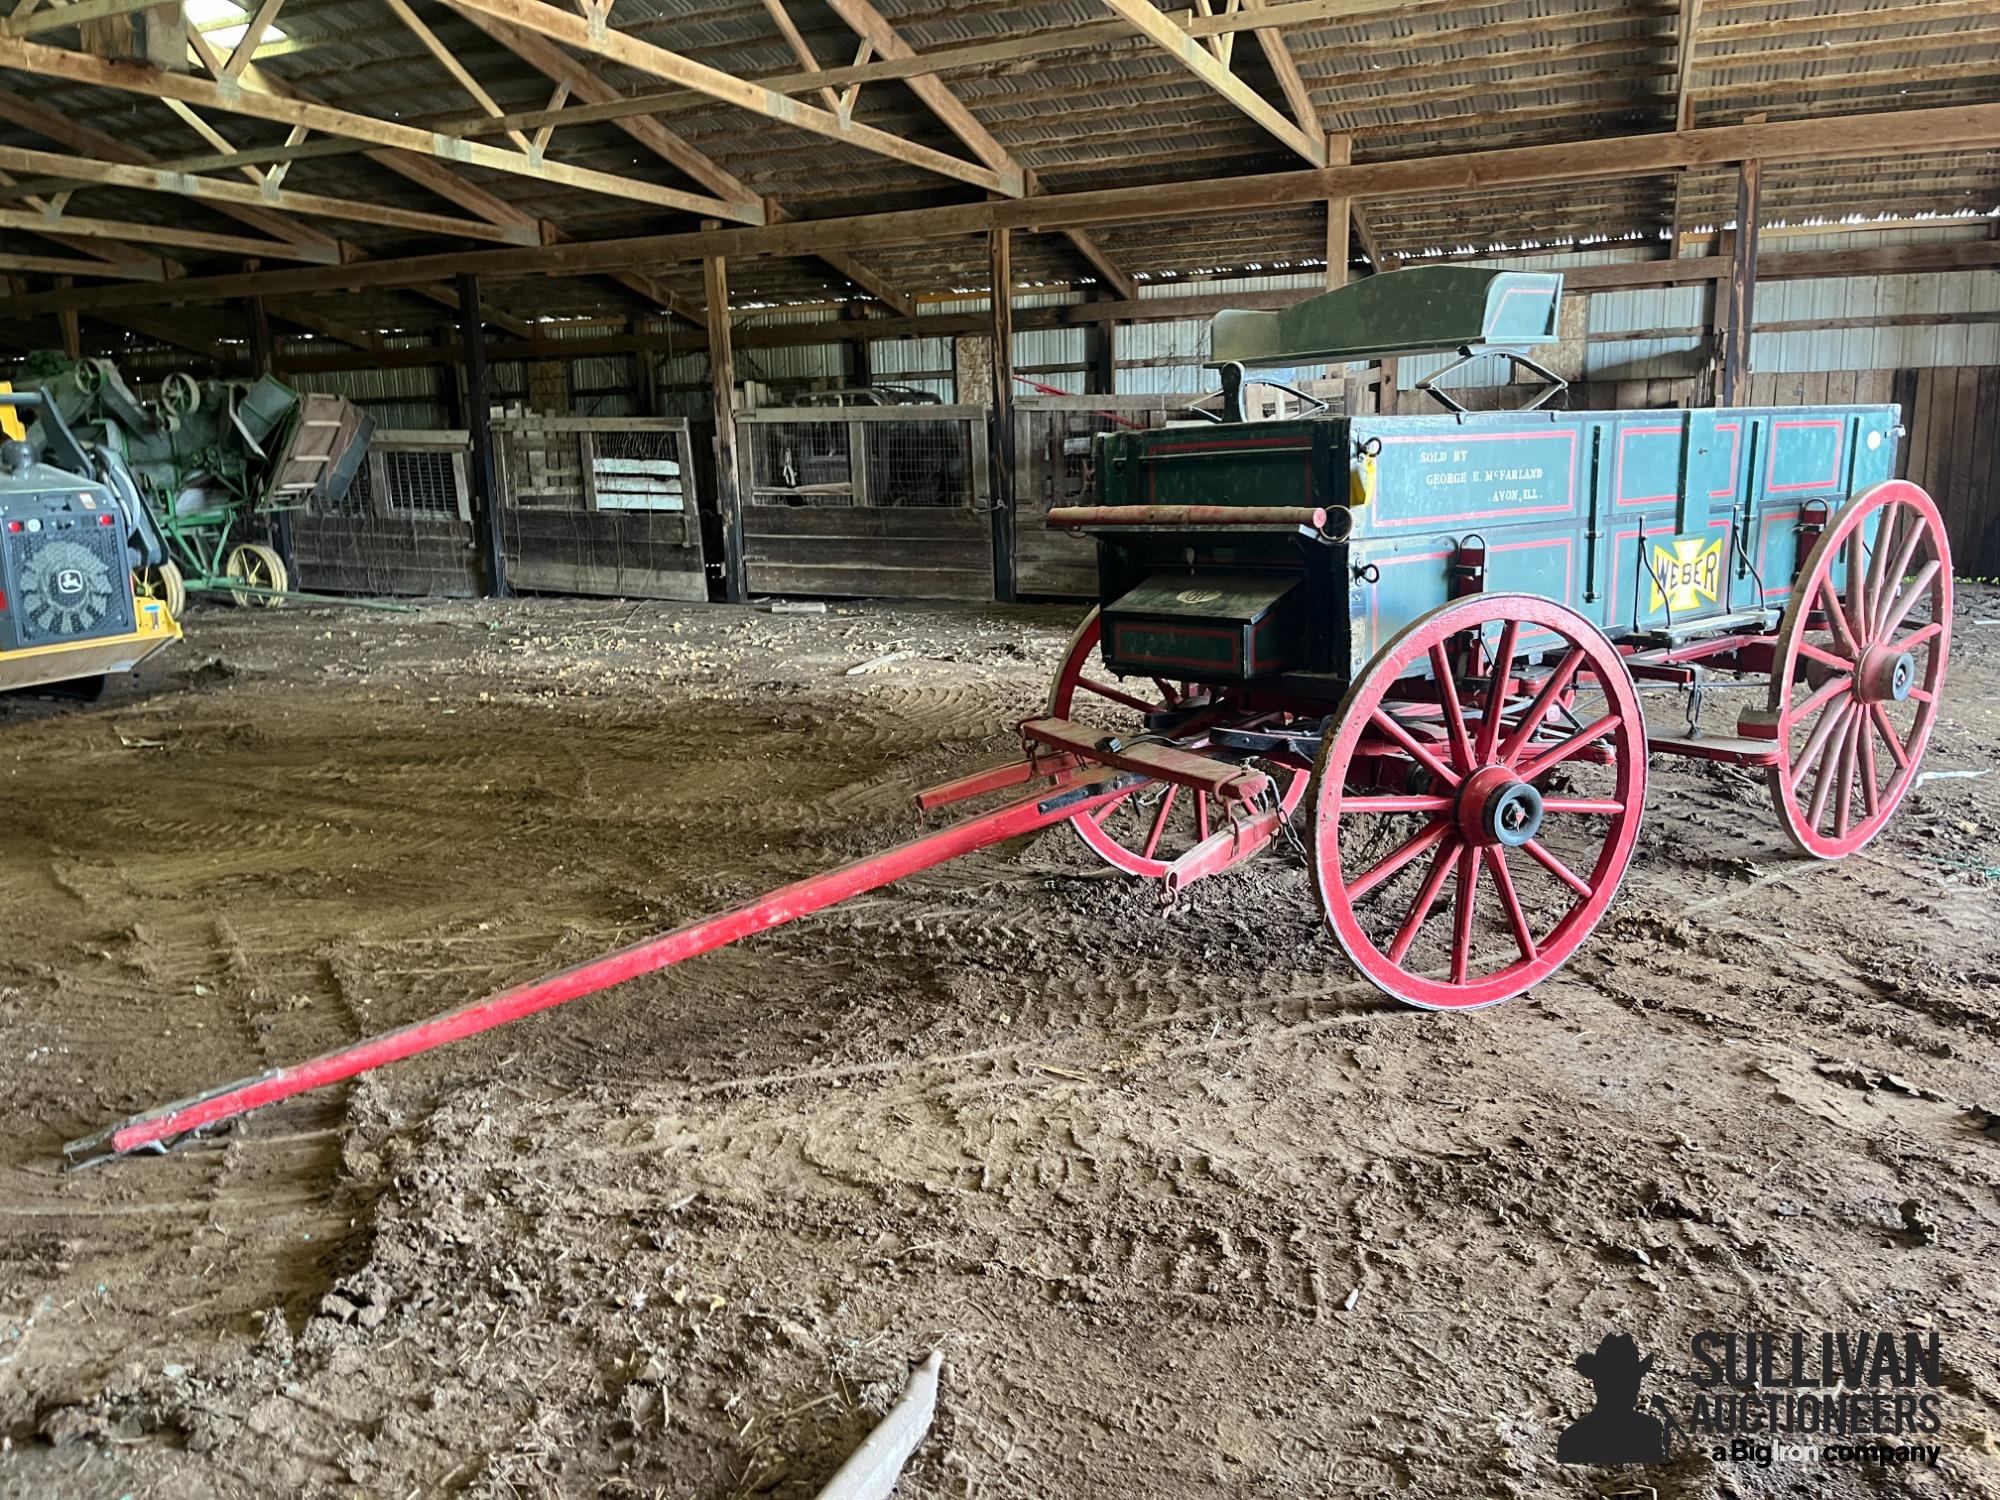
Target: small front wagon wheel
[(1144, 832), (1477, 802)]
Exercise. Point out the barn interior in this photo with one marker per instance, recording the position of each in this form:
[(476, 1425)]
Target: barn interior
[(586, 466)]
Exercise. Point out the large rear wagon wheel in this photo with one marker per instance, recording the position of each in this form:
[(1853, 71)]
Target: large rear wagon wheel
[(1143, 833), (1858, 671), (1471, 826)]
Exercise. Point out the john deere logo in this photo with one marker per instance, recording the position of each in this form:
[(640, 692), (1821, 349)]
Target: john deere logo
[(69, 581), (1198, 596), (1687, 573)]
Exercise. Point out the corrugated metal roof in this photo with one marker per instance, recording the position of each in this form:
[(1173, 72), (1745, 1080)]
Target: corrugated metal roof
[(1404, 80)]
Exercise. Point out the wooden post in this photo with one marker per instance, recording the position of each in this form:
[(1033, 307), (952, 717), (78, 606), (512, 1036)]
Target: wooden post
[(261, 348), (859, 362), (722, 389), (1339, 216), (1742, 291), (1000, 261), (646, 373), (68, 322), (262, 352), (479, 423), (1100, 353)]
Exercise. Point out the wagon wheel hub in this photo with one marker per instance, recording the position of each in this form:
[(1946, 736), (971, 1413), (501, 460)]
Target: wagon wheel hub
[(1885, 676), (1495, 807)]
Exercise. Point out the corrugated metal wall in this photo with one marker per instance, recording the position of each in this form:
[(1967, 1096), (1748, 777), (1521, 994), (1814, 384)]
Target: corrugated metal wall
[(1168, 357)]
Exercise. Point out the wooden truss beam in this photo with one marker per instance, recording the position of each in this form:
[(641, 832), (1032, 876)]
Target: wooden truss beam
[(1298, 98), (68, 172), (586, 83), (56, 265), (1897, 133), (628, 51), (75, 227), (156, 83), (873, 28), (32, 21), (1149, 20), (448, 60)]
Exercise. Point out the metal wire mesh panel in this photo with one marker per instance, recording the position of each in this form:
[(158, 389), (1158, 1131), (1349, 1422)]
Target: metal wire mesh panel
[(423, 482), (403, 526), (801, 463), (600, 506), (914, 462)]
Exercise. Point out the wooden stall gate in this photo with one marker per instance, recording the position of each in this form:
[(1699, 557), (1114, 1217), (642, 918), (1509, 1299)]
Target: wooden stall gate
[(884, 501), (599, 505), (403, 527), (1054, 439)]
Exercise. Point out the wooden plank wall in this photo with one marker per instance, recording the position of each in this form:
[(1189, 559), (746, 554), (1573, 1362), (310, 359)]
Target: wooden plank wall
[(889, 552), (608, 553), (376, 555)]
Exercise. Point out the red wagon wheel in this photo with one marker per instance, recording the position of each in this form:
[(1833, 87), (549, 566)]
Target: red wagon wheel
[(1859, 666), (1471, 826), (1144, 833)]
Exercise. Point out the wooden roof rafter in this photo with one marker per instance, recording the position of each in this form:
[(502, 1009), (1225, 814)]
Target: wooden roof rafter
[(1210, 67), (874, 30), (156, 83), (585, 82), (676, 68)]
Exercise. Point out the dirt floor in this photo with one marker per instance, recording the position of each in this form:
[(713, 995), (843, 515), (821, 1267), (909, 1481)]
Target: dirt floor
[(1188, 1208)]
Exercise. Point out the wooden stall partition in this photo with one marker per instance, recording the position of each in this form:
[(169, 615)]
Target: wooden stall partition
[(404, 526), (1055, 440), (601, 506), (888, 502)]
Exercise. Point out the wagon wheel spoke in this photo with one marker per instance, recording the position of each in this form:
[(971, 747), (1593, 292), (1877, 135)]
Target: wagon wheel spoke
[(1829, 769), (1870, 792), (1420, 909), (1537, 712), (1496, 690), (1510, 901), (1173, 697), (1887, 729), (1821, 736), (1878, 564), (1539, 852), (1919, 588), (1893, 575), (1843, 809), (1461, 929), (1417, 749), (1160, 820), (1919, 637), (1549, 759), (1395, 803), (1825, 658), (1857, 578), (1454, 712), (1836, 617), (1604, 807), (1397, 859), (1832, 688)]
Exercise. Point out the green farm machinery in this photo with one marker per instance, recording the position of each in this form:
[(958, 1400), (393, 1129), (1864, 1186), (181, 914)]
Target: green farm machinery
[(218, 463)]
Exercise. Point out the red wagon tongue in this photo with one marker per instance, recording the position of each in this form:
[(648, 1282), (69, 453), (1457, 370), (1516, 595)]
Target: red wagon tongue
[(1071, 792)]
